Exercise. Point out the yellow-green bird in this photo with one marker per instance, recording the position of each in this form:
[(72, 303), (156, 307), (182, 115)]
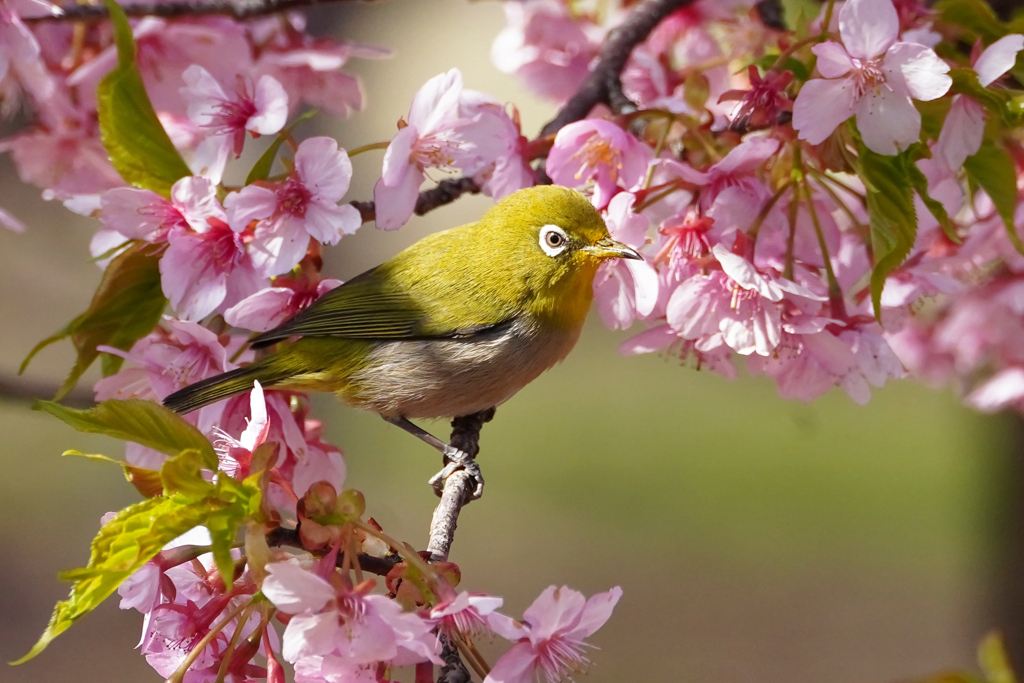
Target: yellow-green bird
[(452, 326)]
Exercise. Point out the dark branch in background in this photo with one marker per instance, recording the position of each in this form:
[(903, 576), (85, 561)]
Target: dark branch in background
[(458, 488), (19, 389), (446, 192), (236, 9)]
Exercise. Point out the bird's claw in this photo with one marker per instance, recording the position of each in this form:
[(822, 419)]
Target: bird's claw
[(459, 460)]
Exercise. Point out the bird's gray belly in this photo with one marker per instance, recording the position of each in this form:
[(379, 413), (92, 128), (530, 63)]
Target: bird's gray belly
[(449, 378)]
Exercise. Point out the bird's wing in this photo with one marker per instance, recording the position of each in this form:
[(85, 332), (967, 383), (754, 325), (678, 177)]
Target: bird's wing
[(370, 306)]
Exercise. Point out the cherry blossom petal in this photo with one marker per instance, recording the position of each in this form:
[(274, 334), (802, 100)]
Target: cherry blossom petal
[(596, 612), (961, 133), (833, 59), (271, 107), (649, 341), (395, 202), (1004, 388), (324, 168), (517, 665), (256, 431), (888, 122), (821, 106), (868, 27), (311, 634), (294, 589), (998, 58), (555, 609), (922, 70), (251, 203)]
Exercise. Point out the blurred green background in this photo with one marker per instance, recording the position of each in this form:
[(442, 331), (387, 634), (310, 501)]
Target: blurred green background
[(754, 538)]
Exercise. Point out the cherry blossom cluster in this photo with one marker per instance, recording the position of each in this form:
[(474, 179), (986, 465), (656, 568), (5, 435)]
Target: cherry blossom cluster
[(198, 627), (743, 185), (831, 201)]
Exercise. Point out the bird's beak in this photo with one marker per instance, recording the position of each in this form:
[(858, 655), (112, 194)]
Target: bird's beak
[(609, 248)]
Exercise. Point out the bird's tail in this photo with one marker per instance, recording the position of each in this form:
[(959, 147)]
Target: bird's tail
[(222, 386)]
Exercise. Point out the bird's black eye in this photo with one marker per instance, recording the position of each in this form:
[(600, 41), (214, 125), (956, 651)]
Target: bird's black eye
[(552, 240)]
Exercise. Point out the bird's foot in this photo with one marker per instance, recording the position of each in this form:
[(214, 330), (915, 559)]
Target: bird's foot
[(459, 460)]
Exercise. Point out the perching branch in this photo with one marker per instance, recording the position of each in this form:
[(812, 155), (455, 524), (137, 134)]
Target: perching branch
[(236, 9), (458, 488)]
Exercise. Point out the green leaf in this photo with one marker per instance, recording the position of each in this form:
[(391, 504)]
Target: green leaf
[(143, 422), (993, 170), (123, 545), (994, 661), (126, 307), (890, 201), (261, 169), (147, 482), (136, 142), (183, 474), (997, 101), (938, 211), (974, 15)]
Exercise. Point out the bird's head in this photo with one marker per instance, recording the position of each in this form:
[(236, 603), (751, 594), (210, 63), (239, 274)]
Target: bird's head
[(554, 240)]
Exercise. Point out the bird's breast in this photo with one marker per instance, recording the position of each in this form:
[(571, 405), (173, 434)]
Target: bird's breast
[(448, 378)]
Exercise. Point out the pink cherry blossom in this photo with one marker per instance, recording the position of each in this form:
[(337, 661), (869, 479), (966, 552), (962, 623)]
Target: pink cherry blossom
[(466, 613), (743, 303), (145, 215), (964, 126), (545, 47), (448, 128), (269, 307), (599, 151), (550, 642), (304, 206), (234, 454), (343, 621), (226, 118), (625, 289), (870, 76)]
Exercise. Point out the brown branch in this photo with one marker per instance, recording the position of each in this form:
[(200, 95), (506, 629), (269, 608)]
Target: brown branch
[(453, 670), (236, 9), (458, 488), (446, 192), (380, 566)]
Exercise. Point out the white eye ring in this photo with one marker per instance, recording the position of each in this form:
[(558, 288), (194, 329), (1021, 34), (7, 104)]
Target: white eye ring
[(553, 240)]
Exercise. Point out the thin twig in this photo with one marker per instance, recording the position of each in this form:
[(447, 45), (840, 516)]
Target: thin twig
[(237, 9), (458, 488)]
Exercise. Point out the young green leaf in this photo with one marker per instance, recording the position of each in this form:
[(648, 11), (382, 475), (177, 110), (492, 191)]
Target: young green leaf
[(143, 422), (993, 170), (133, 136), (890, 201), (147, 482), (126, 307), (123, 545)]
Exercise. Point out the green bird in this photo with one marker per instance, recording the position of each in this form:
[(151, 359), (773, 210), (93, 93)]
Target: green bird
[(454, 325)]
